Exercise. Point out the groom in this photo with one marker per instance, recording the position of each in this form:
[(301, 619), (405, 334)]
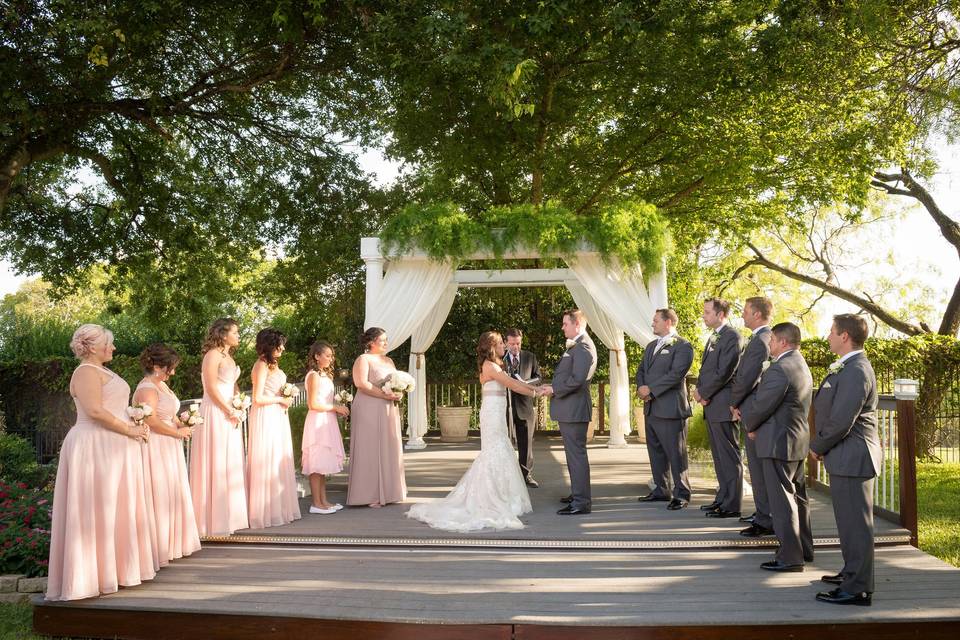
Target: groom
[(571, 407)]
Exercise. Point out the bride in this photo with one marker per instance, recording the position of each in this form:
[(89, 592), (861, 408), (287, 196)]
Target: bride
[(492, 493)]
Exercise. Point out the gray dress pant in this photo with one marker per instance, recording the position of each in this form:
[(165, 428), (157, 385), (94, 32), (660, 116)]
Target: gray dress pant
[(760, 502), (725, 447), (789, 509), (853, 509), (667, 450), (575, 448)]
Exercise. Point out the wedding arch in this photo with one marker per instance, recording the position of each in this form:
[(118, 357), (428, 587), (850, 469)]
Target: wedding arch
[(410, 296)]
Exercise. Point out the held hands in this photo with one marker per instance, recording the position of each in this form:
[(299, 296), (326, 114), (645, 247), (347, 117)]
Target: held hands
[(341, 410), (644, 392), (138, 431), (735, 412), (752, 435), (545, 390)]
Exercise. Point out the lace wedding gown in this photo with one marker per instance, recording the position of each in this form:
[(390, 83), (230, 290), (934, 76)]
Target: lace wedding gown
[(492, 493)]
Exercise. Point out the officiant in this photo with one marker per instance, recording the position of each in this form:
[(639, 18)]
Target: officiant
[(521, 409)]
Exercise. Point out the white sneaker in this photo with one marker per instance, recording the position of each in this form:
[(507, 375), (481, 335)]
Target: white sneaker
[(337, 507), (314, 509)]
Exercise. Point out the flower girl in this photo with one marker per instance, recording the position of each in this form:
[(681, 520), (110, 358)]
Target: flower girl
[(323, 452)]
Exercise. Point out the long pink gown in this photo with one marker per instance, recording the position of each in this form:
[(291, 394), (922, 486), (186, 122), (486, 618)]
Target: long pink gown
[(175, 522), (100, 535), (376, 450), (271, 479), (216, 466), (322, 445)]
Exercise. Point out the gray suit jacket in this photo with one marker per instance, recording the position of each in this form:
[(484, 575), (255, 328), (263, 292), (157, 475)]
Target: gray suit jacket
[(571, 383), (524, 407), (665, 373), (778, 410), (717, 368), (846, 421), (748, 373)]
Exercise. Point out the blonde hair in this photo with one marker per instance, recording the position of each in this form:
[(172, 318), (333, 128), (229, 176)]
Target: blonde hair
[(86, 336)]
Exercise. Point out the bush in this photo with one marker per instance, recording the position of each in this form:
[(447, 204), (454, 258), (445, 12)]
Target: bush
[(25, 528), (18, 462), (697, 437)]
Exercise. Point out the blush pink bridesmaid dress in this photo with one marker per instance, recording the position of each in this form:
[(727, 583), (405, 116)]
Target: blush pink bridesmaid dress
[(175, 522), (271, 479), (322, 445), (100, 535), (216, 466)]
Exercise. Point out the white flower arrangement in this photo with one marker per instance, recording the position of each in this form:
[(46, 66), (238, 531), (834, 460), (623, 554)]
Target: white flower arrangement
[(835, 367), (398, 382), (139, 411), (570, 343), (191, 417), (289, 390), (240, 403), (343, 397), (765, 366)]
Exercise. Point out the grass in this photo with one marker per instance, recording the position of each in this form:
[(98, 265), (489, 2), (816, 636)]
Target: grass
[(16, 622), (938, 495)]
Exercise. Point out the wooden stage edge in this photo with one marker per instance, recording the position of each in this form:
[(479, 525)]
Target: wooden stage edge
[(152, 625)]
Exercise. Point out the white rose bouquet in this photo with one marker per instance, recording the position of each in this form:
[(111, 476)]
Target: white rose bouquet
[(343, 397), (398, 382), (289, 390), (190, 417), (139, 411), (240, 403)]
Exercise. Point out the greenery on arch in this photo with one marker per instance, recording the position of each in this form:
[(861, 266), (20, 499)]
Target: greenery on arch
[(631, 231)]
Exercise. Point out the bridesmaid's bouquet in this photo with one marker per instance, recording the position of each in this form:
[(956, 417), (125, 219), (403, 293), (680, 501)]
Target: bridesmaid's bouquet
[(289, 390), (240, 403), (343, 397), (139, 411), (398, 382), (191, 416)]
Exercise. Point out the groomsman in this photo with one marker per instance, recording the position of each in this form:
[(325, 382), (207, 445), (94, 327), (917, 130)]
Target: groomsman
[(522, 410), (718, 365), (775, 417), (847, 442), (662, 387), (756, 317)]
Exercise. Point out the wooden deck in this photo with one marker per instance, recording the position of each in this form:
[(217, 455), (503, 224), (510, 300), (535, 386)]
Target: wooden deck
[(628, 570)]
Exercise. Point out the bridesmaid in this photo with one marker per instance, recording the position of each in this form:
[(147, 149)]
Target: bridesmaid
[(176, 525), (376, 451), (271, 480), (216, 449), (100, 535), (323, 452)]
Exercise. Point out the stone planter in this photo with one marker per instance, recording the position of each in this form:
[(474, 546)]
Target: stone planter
[(454, 423)]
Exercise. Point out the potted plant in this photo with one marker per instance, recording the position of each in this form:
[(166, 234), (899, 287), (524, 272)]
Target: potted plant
[(454, 418)]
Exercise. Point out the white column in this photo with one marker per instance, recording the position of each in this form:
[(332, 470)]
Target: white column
[(373, 259), (619, 406)]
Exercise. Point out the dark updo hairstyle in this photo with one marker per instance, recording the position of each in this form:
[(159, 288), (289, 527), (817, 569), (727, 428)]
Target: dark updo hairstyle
[(217, 335), (369, 336), (268, 341), (316, 349), (487, 349), (158, 355)]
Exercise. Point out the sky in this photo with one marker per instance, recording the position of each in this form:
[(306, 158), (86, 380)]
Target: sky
[(919, 244)]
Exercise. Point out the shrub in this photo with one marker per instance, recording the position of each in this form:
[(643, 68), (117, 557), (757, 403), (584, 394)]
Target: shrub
[(25, 528)]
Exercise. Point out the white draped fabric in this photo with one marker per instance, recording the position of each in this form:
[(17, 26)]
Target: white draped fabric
[(612, 336), (409, 291), (622, 293), (420, 341)]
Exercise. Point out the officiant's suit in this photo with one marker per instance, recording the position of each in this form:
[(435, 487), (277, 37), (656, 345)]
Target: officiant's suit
[(666, 414), (717, 368), (777, 412), (845, 411), (745, 382), (572, 408), (523, 408)]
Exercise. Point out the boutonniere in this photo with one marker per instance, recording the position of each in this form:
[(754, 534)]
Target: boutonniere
[(713, 337), (671, 340), (835, 367), (570, 343), (765, 366)]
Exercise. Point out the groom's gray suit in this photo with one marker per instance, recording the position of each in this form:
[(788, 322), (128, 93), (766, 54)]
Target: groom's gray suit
[(571, 407)]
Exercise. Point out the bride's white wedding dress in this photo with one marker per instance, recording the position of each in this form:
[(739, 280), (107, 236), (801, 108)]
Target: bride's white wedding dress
[(492, 493)]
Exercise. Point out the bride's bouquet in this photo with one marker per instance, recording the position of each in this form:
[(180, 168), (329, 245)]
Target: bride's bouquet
[(398, 382), (343, 397), (139, 411), (240, 403), (191, 417)]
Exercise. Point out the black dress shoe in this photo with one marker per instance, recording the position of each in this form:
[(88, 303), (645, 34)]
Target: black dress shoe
[(566, 499), (571, 510), (722, 513), (713, 506), (837, 579), (808, 558), (776, 565), (652, 497), (748, 519), (676, 504), (756, 531), (533, 484), (838, 596)]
